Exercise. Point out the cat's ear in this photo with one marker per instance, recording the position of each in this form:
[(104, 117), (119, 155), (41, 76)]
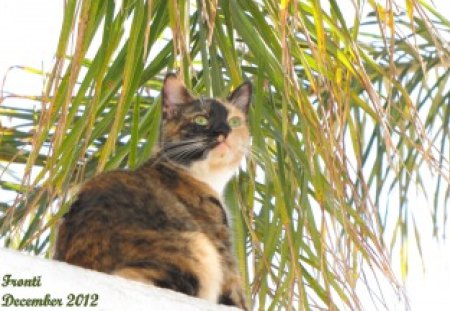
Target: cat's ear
[(174, 93), (242, 96)]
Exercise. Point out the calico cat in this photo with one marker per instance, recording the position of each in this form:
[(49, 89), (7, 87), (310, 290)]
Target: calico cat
[(164, 223)]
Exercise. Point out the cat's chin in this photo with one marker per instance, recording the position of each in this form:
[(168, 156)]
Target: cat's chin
[(217, 168)]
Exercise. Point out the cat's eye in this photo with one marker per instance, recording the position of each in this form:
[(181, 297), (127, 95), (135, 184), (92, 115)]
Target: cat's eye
[(201, 120), (235, 122)]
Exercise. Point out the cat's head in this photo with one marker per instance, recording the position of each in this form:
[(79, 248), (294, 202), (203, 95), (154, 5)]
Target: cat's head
[(208, 136)]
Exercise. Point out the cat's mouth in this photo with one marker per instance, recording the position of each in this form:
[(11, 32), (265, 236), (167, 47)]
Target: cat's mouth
[(221, 144), (222, 147)]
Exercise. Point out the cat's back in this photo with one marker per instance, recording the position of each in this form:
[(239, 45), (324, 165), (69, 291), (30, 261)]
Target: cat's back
[(124, 193), (115, 204), (119, 190), (112, 197)]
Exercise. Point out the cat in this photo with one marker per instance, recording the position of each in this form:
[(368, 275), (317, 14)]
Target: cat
[(164, 223)]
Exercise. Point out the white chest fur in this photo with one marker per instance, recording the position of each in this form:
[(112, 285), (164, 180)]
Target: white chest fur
[(215, 178)]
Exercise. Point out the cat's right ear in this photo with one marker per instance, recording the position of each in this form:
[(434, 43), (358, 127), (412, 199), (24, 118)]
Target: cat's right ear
[(174, 93), (242, 96)]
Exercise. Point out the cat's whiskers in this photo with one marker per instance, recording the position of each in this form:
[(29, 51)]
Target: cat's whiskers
[(247, 150), (183, 145), (168, 145), (165, 147), (184, 141), (184, 149), (244, 147)]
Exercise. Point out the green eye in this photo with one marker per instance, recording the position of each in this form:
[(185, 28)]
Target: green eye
[(201, 120), (235, 122)]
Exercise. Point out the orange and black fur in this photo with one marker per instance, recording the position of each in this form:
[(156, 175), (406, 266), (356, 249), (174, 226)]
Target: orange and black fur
[(164, 223)]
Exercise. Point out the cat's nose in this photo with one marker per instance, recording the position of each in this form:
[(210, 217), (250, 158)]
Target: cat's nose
[(221, 129)]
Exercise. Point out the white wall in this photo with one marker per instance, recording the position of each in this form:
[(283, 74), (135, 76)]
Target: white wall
[(59, 280)]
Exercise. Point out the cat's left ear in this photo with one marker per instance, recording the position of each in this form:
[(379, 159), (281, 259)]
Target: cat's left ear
[(242, 96), (174, 94)]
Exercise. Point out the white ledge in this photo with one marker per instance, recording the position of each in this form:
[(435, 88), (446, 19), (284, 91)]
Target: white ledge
[(59, 280)]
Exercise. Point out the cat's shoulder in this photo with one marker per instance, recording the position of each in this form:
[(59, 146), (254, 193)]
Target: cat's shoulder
[(112, 179)]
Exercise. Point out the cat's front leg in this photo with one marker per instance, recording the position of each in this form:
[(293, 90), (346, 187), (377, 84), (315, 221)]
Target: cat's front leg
[(232, 292)]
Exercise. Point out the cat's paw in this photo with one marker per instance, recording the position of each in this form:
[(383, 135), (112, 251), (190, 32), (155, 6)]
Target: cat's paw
[(234, 297)]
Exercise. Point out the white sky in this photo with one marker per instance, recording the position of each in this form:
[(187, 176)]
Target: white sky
[(29, 31)]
